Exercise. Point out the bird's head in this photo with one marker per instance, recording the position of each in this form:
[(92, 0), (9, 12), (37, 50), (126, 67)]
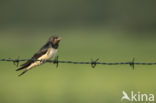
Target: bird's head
[(54, 40)]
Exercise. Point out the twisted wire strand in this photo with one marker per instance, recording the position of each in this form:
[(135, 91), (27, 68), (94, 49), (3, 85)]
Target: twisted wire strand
[(93, 63)]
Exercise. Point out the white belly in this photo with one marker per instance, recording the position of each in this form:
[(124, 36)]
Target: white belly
[(50, 53)]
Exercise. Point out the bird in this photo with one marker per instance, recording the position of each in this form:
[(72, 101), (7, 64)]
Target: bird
[(47, 51)]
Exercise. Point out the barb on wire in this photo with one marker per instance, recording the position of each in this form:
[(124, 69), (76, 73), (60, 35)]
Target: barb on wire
[(16, 62), (93, 63), (132, 63)]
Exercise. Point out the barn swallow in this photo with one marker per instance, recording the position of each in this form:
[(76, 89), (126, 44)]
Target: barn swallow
[(48, 51)]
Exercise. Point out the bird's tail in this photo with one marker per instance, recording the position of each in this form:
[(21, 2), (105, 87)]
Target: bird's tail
[(23, 72), (20, 68)]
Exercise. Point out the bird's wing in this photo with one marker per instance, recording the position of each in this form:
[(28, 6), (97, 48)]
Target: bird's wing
[(35, 57), (30, 61), (42, 51)]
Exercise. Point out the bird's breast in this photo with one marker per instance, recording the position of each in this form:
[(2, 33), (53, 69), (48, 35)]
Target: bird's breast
[(51, 52)]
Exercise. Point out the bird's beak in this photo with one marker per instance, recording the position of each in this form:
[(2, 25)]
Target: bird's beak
[(59, 38), (56, 41)]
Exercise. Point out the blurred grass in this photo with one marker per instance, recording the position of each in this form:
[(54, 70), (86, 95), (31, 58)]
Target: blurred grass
[(76, 83)]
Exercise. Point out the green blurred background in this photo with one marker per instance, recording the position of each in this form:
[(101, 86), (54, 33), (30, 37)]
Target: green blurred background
[(112, 30)]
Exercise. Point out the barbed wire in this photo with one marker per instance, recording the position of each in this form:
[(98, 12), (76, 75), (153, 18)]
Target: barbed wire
[(93, 63)]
